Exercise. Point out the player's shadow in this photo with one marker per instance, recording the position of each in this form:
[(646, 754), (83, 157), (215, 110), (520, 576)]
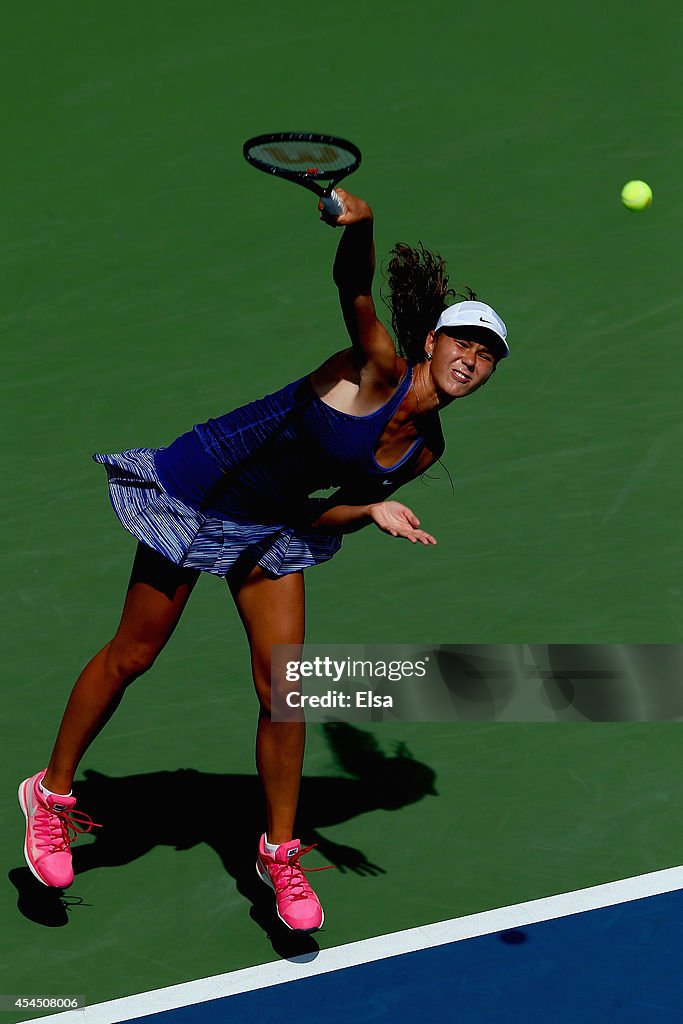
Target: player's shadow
[(186, 807)]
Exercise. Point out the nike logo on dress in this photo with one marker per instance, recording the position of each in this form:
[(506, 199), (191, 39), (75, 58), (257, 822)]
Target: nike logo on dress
[(387, 483), (485, 320)]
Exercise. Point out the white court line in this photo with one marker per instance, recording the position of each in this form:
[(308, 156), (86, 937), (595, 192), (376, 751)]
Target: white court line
[(354, 953)]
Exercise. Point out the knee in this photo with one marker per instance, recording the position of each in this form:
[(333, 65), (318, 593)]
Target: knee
[(262, 686), (276, 691), (128, 661)]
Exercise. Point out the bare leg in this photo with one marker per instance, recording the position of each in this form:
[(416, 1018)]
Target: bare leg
[(157, 594), (272, 611)]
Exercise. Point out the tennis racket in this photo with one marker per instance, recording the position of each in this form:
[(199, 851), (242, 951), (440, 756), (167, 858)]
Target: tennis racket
[(307, 159)]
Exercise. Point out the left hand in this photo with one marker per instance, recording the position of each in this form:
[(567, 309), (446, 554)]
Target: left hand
[(399, 521)]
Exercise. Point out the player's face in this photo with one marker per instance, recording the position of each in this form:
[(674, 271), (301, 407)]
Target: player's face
[(459, 366)]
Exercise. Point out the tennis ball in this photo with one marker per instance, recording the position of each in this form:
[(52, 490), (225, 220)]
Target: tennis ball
[(636, 195)]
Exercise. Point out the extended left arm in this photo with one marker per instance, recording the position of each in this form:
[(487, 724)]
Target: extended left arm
[(345, 518), (390, 516)]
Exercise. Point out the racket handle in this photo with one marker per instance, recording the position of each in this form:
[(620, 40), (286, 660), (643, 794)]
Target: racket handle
[(333, 204)]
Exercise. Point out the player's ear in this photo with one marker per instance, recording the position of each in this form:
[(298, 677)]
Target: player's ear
[(430, 342)]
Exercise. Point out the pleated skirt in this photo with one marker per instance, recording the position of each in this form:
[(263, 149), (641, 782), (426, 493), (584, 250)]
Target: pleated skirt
[(189, 538)]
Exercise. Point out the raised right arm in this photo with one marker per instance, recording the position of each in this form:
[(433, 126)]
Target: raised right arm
[(354, 269)]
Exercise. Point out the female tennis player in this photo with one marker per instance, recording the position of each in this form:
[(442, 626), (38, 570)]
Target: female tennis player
[(231, 497)]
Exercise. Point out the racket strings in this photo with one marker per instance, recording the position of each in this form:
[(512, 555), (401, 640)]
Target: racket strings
[(302, 156)]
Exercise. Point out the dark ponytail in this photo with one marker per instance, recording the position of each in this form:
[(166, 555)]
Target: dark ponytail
[(418, 289)]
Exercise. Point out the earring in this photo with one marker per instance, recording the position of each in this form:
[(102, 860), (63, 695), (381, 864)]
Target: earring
[(429, 355)]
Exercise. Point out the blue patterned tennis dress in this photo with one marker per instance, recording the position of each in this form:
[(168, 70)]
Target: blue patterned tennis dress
[(244, 481)]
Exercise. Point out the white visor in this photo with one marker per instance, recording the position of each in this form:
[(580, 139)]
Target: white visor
[(475, 314)]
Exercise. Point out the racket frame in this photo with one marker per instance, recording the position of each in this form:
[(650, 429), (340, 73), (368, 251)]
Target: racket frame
[(310, 178)]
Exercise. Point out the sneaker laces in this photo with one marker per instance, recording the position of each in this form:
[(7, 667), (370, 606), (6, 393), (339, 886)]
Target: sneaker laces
[(289, 878), (58, 829)]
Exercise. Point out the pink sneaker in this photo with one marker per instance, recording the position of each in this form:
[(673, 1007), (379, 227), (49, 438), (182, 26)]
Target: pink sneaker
[(51, 826), (298, 907)]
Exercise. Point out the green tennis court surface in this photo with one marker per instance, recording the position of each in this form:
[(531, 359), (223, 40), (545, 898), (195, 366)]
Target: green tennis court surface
[(151, 279)]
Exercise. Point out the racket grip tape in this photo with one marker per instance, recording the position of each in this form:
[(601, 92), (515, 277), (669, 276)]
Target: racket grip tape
[(333, 204)]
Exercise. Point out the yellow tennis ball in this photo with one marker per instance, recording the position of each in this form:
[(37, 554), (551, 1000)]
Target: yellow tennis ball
[(636, 195)]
